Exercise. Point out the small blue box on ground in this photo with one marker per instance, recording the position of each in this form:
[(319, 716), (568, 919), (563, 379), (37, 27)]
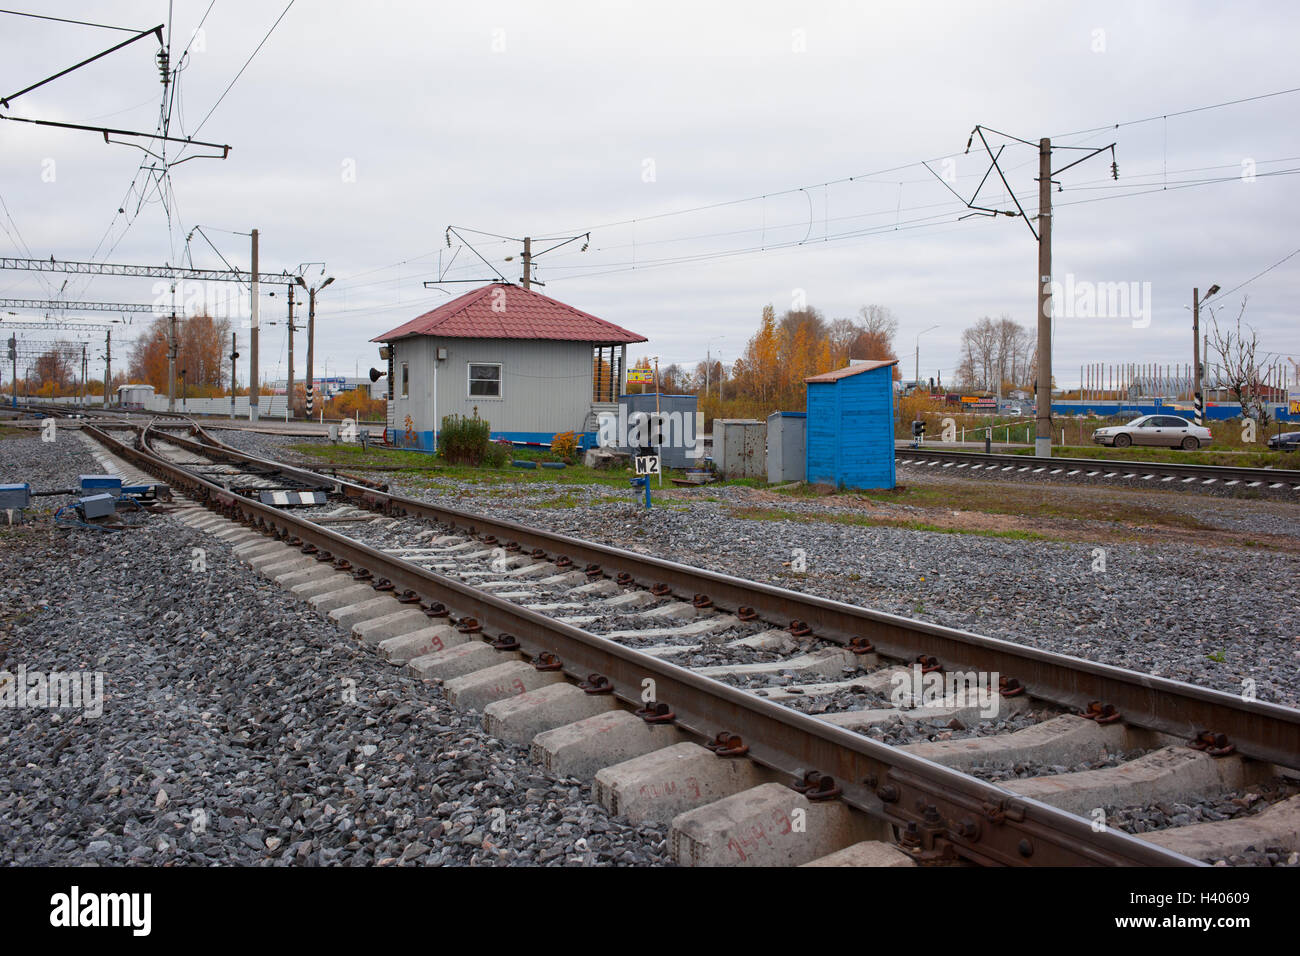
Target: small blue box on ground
[(15, 496), (110, 482)]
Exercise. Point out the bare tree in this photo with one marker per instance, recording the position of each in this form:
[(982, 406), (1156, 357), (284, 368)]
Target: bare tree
[(878, 320), (1012, 342), (841, 334), (1236, 349)]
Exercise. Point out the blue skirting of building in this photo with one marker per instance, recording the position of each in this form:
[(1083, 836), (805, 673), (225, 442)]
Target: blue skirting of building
[(425, 441)]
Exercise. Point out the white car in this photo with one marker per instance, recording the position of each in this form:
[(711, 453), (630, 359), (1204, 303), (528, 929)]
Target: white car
[(1169, 431)]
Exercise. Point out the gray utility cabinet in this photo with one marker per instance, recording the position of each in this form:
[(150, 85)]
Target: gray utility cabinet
[(740, 447), (676, 437), (787, 446)]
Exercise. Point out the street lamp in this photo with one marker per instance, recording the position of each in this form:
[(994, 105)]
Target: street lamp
[(916, 381), (311, 333), (1198, 376)]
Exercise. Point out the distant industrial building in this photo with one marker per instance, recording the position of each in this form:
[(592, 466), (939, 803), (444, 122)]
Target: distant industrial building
[(529, 365)]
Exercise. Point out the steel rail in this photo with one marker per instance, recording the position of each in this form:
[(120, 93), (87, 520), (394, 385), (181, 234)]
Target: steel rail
[(1175, 469), (942, 811), (1260, 730)]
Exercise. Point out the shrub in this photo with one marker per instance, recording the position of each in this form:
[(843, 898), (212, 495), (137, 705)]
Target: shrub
[(565, 446), (355, 403), (465, 441)]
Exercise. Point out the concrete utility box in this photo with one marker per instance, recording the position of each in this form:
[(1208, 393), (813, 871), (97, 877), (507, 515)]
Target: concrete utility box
[(13, 497), (740, 447), (682, 447), (786, 447), (851, 426)]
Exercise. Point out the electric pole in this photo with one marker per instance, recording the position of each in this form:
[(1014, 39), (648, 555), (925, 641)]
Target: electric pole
[(288, 400), (1043, 424), (108, 363), (1198, 378), (528, 262), (311, 338), (252, 348), (1043, 235)]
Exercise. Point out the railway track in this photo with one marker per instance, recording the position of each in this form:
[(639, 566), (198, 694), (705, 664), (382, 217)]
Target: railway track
[(1158, 474), (559, 641)]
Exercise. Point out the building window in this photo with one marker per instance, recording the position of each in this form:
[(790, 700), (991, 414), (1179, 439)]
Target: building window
[(406, 380), (485, 381)]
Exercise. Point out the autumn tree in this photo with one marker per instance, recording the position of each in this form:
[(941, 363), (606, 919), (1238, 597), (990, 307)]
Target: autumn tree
[(201, 351), (52, 368)]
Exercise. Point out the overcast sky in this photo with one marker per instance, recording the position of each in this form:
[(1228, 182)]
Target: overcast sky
[(360, 131)]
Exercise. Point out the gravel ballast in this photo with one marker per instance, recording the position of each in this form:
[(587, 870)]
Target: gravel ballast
[(240, 728), (1217, 617)]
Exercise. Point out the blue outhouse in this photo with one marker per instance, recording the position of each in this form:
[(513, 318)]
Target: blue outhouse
[(850, 436)]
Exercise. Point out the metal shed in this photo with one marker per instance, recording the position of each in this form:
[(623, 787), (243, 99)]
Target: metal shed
[(740, 447), (786, 446), (134, 396), (851, 426)]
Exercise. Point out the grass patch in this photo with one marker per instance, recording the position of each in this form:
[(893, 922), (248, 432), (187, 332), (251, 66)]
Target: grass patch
[(421, 464), (8, 431)]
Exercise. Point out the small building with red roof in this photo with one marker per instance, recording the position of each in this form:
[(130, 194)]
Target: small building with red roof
[(530, 365)]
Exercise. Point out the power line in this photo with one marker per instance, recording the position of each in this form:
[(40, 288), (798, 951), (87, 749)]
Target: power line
[(1196, 109), (83, 23), (243, 68), (1257, 275)]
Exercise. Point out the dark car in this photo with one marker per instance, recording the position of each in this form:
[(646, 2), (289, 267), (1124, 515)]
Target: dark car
[(1287, 441)]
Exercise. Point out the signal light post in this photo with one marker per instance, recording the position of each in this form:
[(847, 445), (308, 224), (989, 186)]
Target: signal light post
[(310, 378)]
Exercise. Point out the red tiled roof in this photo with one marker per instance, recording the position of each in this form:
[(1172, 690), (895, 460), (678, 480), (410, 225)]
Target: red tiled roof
[(840, 373), (512, 313)]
